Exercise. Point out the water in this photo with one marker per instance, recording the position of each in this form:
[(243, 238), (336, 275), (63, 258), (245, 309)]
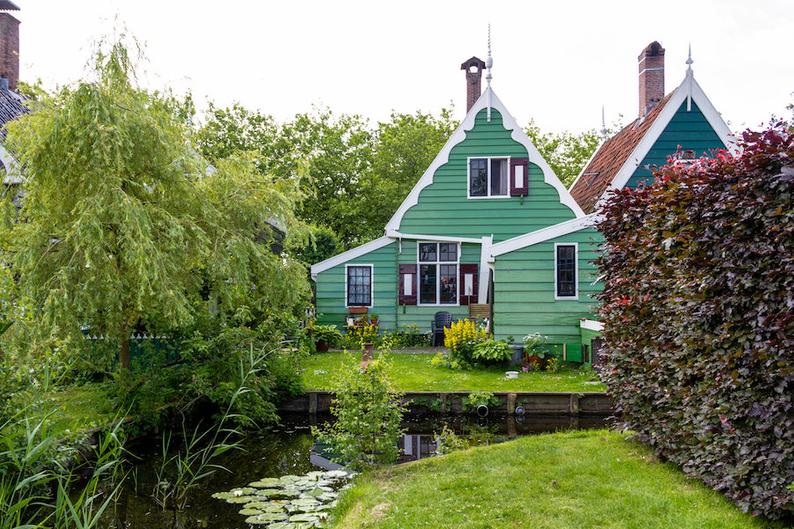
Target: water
[(287, 449)]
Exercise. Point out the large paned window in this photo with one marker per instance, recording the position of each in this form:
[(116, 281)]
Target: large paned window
[(438, 273), (565, 271), (488, 177), (359, 285)]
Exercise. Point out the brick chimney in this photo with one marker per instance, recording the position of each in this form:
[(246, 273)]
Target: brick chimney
[(9, 44), (474, 68), (651, 66)]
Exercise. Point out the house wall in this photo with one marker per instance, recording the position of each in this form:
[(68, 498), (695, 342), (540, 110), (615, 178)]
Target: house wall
[(330, 288), (331, 295), (524, 286), (444, 209), (690, 130)]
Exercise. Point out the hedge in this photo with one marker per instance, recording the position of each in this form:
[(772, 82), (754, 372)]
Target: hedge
[(698, 306)]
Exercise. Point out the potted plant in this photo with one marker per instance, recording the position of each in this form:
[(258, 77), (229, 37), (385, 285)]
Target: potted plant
[(535, 343), (325, 337), (367, 333)]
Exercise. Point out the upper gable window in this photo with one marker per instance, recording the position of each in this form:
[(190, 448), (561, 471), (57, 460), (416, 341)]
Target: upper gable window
[(489, 177)]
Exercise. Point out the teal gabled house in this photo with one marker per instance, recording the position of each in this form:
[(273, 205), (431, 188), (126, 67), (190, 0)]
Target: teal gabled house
[(490, 226), (683, 122)]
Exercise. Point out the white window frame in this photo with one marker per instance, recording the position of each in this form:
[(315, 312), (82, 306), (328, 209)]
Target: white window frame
[(371, 285), (438, 262), (575, 271), (488, 178)]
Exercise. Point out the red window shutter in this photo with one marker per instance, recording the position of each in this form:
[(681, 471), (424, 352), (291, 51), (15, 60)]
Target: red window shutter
[(519, 177), (469, 269), (408, 284)]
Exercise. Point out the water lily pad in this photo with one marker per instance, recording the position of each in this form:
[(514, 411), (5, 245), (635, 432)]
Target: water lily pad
[(250, 512), (265, 483), (223, 495), (304, 517), (243, 491), (265, 506), (266, 518), (337, 473), (242, 499)]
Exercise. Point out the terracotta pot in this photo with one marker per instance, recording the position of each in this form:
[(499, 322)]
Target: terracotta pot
[(323, 346), (367, 355)]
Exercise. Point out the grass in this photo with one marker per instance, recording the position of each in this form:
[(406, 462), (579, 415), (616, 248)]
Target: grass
[(413, 372), (75, 410), (574, 480)]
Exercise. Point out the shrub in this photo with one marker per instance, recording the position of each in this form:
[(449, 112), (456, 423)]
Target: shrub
[(553, 364), (326, 333), (534, 344), (480, 398), (698, 276), (368, 412), (491, 352), (408, 336), (460, 338)]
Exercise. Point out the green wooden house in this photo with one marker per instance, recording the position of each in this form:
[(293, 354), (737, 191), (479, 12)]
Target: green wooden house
[(489, 228)]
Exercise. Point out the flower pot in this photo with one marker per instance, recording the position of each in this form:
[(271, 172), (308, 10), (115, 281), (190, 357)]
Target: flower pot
[(322, 346), (367, 355)]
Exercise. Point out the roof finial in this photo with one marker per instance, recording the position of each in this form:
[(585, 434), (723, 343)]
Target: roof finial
[(489, 66), (604, 130), (689, 78)]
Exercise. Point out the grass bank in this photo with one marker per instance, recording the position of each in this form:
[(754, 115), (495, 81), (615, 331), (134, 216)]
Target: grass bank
[(413, 372), (72, 411), (575, 480)]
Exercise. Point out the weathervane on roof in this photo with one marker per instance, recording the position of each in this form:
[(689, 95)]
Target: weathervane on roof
[(604, 131), (489, 67), (689, 78)]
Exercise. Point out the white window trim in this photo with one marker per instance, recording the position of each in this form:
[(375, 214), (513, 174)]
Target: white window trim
[(488, 178), (575, 270), (438, 276), (371, 285)]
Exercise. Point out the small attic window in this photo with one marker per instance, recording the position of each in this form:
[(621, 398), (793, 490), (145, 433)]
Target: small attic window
[(489, 177)]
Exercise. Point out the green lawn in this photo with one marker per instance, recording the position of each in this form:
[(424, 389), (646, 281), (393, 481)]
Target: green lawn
[(76, 410), (573, 480), (413, 372)]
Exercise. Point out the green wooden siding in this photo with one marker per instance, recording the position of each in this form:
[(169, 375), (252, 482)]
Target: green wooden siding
[(330, 286), (524, 290), (444, 209), (331, 295), (690, 130)]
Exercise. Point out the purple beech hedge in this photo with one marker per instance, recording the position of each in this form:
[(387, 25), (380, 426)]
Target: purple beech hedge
[(698, 304)]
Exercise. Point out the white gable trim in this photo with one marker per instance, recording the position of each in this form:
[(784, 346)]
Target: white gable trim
[(591, 325), (518, 134), (10, 164), (688, 88), (442, 238), (535, 237), (343, 257)]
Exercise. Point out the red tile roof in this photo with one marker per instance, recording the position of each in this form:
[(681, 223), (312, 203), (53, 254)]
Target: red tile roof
[(610, 157)]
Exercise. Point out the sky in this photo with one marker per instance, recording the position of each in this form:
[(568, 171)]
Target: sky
[(557, 62)]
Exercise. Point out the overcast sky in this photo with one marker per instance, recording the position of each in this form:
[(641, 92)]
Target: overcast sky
[(557, 61)]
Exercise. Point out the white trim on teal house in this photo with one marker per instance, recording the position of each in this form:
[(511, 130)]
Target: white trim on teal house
[(343, 257), (518, 134), (557, 295), (591, 325), (535, 237), (371, 285)]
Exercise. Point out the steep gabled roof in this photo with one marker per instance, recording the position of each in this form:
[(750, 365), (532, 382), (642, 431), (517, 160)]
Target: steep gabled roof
[(609, 158), (11, 107), (487, 99), (617, 158)]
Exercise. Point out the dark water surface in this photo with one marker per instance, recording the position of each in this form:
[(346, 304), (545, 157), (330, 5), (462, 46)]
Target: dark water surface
[(287, 449)]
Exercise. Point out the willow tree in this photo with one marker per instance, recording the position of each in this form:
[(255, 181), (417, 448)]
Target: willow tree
[(110, 228)]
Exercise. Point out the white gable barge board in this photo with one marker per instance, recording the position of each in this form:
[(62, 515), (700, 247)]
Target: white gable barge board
[(689, 87), (459, 135), (344, 257), (591, 325), (535, 237), (440, 238)]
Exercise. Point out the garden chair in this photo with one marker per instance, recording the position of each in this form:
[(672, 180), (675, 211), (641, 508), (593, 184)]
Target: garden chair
[(440, 322)]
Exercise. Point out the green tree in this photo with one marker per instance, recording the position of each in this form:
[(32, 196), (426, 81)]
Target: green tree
[(565, 152), (405, 147)]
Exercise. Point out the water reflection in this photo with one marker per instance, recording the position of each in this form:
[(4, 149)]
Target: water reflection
[(287, 449)]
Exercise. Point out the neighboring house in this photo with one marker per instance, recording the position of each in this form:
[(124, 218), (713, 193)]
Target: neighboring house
[(487, 226), (11, 103), (490, 225), (682, 121)]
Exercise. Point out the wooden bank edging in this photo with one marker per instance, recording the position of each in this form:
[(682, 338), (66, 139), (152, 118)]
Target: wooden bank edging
[(586, 403)]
